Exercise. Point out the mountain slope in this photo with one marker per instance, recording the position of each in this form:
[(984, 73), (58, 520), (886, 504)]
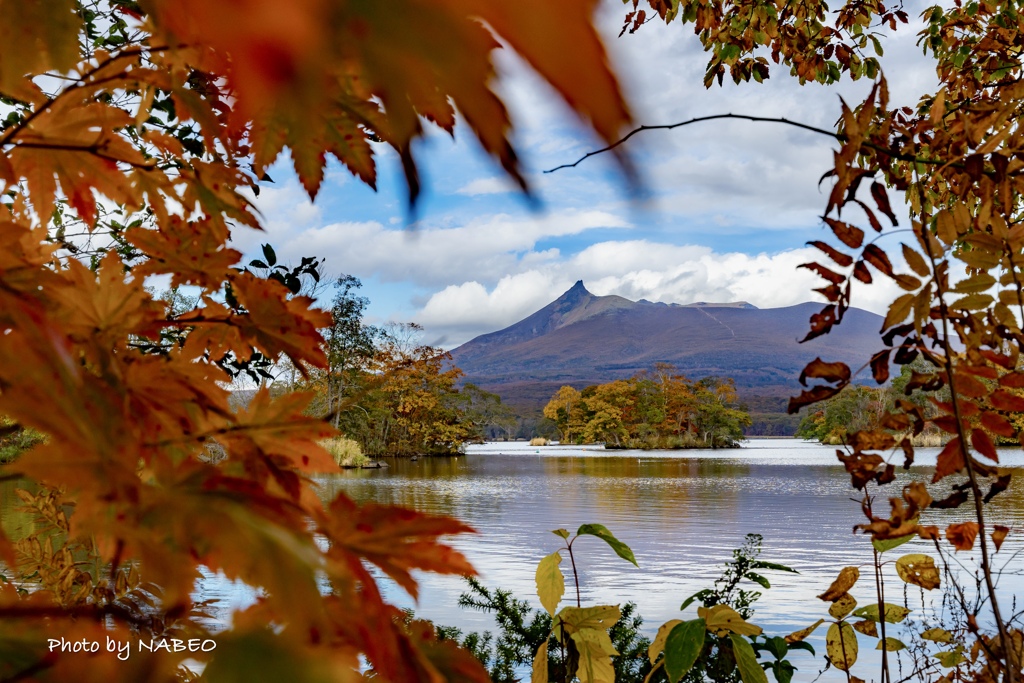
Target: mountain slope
[(582, 339)]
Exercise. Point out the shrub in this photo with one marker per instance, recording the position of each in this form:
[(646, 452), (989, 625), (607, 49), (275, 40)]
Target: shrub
[(346, 452)]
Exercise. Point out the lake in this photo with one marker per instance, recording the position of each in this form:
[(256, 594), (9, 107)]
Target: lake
[(682, 513)]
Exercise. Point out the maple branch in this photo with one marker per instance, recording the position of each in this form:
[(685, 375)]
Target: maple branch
[(95, 150), (756, 119)]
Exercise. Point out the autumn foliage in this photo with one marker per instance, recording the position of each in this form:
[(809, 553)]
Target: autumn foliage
[(131, 137)]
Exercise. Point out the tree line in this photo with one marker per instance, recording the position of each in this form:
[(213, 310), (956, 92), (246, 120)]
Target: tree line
[(653, 409), (392, 394)]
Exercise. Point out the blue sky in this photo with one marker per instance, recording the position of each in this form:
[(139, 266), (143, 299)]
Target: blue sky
[(729, 205)]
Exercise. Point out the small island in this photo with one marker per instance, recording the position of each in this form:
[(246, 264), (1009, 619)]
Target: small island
[(657, 409)]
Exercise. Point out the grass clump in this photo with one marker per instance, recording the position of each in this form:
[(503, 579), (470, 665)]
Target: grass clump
[(346, 452), (16, 440), (539, 441)]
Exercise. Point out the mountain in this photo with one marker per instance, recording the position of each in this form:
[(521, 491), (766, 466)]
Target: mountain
[(582, 339)]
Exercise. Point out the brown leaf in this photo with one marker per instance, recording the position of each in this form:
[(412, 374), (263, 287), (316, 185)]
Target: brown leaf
[(810, 396), (874, 255), (830, 372), (999, 535), (880, 366), (823, 321), (962, 535), (953, 500), (982, 443), (1004, 400), (861, 272), (878, 193), (848, 234), (950, 460), (830, 275), (862, 467), (864, 440), (839, 257), (842, 585), (1001, 483), (997, 424), (1012, 380), (929, 533), (970, 387)]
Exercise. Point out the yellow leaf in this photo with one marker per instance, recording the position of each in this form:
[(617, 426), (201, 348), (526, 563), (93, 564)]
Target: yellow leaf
[(539, 673), (722, 619), (595, 648), (841, 646), (550, 582), (797, 636), (573, 619), (867, 627), (842, 606), (899, 309), (657, 645), (916, 262), (938, 635), (918, 569)]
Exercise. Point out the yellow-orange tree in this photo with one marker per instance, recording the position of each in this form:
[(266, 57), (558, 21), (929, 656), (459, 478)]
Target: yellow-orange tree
[(136, 126)]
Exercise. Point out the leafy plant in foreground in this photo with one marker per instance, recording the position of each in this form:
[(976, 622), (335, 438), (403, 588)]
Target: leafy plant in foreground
[(712, 647)]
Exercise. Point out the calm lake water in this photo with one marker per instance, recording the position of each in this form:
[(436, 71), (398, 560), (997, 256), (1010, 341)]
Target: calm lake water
[(682, 513)]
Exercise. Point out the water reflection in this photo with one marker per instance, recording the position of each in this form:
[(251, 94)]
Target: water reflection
[(682, 513)]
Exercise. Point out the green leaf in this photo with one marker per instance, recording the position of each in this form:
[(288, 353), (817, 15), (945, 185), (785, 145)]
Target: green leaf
[(891, 645), (269, 255), (890, 543), (746, 660), (256, 263), (599, 530), (657, 645), (699, 595), (950, 658), (561, 533), (550, 582), (777, 646), (802, 645), (894, 614), (761, 564), (682, 647), (757, 578)]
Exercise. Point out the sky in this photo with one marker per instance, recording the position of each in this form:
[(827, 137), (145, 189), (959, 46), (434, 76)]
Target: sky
[(727, 209)]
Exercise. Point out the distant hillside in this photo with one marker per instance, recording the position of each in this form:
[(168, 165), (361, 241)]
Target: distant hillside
[(583, 339)]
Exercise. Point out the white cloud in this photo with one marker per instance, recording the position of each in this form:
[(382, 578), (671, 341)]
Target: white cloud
[(636, 270), (482, 249)]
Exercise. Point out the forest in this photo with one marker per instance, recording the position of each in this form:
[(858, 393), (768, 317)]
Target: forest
[(136, 134)]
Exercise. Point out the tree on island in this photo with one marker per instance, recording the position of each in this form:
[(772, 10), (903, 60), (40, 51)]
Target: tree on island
[(659, 409)]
